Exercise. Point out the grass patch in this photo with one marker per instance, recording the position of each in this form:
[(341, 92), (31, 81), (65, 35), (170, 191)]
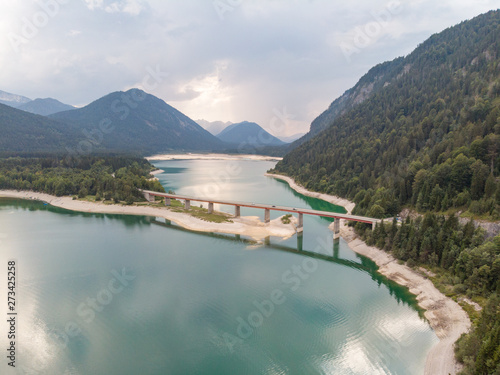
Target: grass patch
[(286, 219), (175, 206)]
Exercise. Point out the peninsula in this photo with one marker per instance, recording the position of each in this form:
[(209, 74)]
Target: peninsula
[(250, 226)]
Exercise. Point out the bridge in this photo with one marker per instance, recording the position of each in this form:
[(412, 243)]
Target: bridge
[(150, 197)]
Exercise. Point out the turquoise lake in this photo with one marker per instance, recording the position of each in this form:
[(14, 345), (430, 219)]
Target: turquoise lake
[(111, 294)]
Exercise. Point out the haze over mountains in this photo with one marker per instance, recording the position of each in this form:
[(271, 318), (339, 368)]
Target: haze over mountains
[(38, 106), (123, 122), (248, 133), (45, 107), (12, 100), (214, 127), (141, 123)]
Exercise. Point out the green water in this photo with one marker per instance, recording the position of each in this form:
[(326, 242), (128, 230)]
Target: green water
[(108, 294)]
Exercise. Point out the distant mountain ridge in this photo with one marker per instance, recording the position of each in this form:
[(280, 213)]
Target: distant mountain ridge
[(23, 132), (291, 138), (12, 100), (214, 127), (120, 122), (141, 123), (426, 135), (45, 107), (248, 134)]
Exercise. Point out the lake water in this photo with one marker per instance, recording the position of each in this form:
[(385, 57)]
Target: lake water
[(109, 294)]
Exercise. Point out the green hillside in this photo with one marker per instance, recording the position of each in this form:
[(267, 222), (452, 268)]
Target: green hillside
[(429, 138), (139, 122), (23, 132)]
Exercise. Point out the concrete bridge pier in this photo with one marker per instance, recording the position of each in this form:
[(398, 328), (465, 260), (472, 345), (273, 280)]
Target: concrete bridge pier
[(149, 197), (300, 225), (187, 204), (237, 211), (336, 229), (210, 208), (300, 241), (267, 215), (168, 202)]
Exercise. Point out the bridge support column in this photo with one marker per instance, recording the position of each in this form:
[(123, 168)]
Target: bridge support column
[(300, 241), (147, 196), (300, 225), (210, 208), (187, 204), (336, 229), (374, 224), (168, 202), (267, 215), (237, 211)]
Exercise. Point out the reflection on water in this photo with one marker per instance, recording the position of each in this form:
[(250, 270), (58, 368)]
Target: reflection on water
[(201, 303)]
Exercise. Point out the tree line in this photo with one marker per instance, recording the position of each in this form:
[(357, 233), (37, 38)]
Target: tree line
[(116, 178), (429, 140)]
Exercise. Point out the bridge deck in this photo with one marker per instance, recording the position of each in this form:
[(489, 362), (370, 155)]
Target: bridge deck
[(305, 211)]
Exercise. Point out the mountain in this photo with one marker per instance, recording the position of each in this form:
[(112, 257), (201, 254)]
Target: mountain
[(141, 123), (248, 134), (23, 132), (214, 127), (371, 83), (45, 107), (428, 140), (428, 135), (12, 100), (292, 138)]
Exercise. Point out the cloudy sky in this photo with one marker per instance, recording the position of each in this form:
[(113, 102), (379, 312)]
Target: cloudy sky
[(229, 60)]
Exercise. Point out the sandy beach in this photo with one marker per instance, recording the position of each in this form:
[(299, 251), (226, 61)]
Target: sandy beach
[(445, 316), (213, 157), (250, 226)]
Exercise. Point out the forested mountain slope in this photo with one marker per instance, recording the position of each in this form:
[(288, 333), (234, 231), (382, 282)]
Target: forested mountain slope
[(23, 132), (140, 122), (372, 82), (429, 138)]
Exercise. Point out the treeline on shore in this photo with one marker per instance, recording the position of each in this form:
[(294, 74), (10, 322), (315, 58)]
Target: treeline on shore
[(465, 265), (116, 178), (427, 139)]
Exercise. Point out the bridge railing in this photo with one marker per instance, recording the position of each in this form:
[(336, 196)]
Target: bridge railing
[(149, 195)]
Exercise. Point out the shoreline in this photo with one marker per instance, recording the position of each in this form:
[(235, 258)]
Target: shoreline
[(213, 156), (446, 317), (250, 226), (348, 205)]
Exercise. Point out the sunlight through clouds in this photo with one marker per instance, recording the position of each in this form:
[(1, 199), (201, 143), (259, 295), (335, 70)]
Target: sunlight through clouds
[(261, 56)]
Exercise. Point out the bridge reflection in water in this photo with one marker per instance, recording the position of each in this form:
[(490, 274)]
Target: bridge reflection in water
[(331, 254)]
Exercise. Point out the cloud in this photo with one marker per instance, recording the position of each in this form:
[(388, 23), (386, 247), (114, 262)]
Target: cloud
[(94, 4), (74, 33), (132, 7), (261, 57)]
